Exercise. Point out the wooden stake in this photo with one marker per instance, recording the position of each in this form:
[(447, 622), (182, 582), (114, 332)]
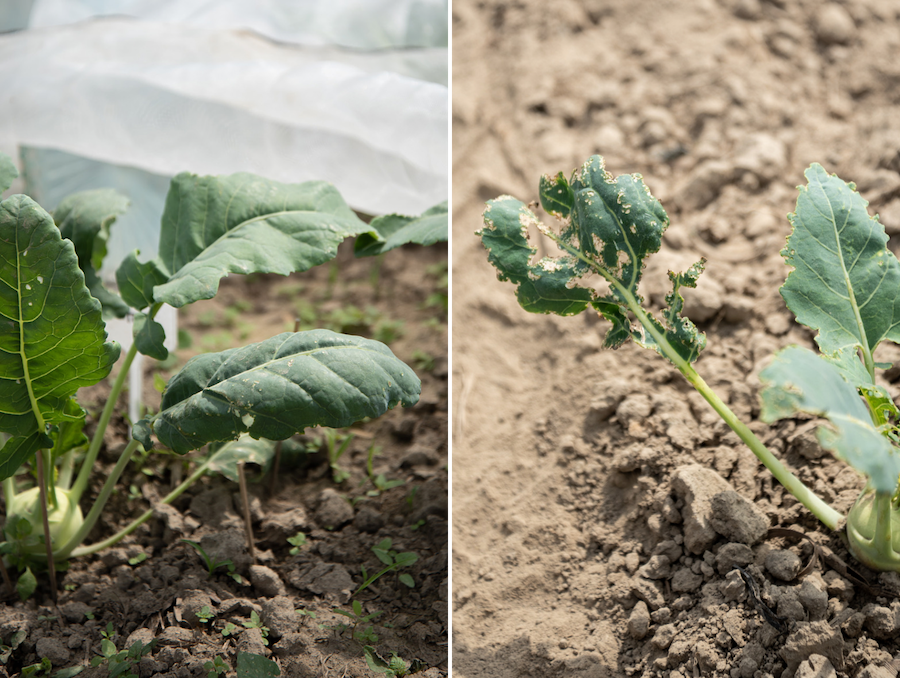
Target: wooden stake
[(245, 500)]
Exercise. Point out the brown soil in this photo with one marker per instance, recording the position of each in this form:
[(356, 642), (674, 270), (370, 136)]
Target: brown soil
[(402, 298), (576, 502)]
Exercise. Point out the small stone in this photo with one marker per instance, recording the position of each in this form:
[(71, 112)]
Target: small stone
[(679, 651), (291, 645), (733, 554), (777, 324), (685, 581), (880, 621), (661, 616), (635, 407), (763, 155), (838, 587), (74, 611), (813, 599), (280, 617), (368, 520), (639, 621), (853, 626), (810, 638), (816, 666), (142, 635), (648, 591), (419, 456), (737, 519), (658, 567), (53, 649), (748, 9), (251, 641), (175, 636), (333, 511), (875, 671), (266, 581), (697, 485), (788, 602), (833, 25), (632, 562), (704, 183), (280, 526), (783, 564), (664, 636), (192, 604)]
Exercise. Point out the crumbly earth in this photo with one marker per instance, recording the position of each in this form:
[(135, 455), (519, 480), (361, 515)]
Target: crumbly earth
[(598, 503), (153, 587)]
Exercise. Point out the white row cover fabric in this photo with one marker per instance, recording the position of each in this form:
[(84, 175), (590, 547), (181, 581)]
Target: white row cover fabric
[(165, 98)]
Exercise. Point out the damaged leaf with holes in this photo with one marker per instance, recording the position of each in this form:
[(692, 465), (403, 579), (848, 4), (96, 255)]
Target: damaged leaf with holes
[(844, 284)]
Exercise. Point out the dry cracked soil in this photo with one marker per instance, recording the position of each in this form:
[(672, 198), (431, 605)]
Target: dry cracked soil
[(599, 505)]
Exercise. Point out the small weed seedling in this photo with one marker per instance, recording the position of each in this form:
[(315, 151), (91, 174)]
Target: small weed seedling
[(393, 560), (395, 666), (53, 340), (213, 565), (205, 615), (845, 284), (217, 667), (120, 662), (362, 631), (256, 623), (381, 483), (336, 443), (297, 542)]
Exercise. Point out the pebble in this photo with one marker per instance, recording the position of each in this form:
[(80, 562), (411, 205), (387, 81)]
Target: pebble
[(639, 621), (251, 641), (636, 407), (53, 649), (733, 554), (738, 519), (658, 567), (809, 638), (833, 25), (788, 603), (880, 621), (816, 666), (696, 485), (193, 603), (333, 511), (280, 617), (368, 520), (762, 155), (266, 581), (685, 581), (837, 586), (664, 636), (814, 599), (783, 564), (704, 184)]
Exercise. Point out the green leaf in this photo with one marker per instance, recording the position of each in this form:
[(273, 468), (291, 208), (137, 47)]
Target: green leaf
[(244, 449), (557, 197), (20, 449), (375, 661), (213, 226), (281, 386), (407, 580), (52, 336), (85, 218), (799, 381), (8, 172), (394, 230), (149, 336), (845, 282), (543, 287), (136, 280), (406, 559), (26, 585), (609, 226), (254, 666), (69, 434)]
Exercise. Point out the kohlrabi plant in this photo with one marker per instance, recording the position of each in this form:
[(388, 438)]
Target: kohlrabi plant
[(53, 340), (845, 284)]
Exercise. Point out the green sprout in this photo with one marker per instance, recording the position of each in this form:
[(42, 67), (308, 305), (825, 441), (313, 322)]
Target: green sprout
[(212, 564), (393, 562)]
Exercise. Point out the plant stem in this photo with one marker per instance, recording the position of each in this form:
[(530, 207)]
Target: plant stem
[(100, 502), (87, 464), (245, 505), (48, 544), (9, 491), (883, 543), (792, 483), (131, 527)]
